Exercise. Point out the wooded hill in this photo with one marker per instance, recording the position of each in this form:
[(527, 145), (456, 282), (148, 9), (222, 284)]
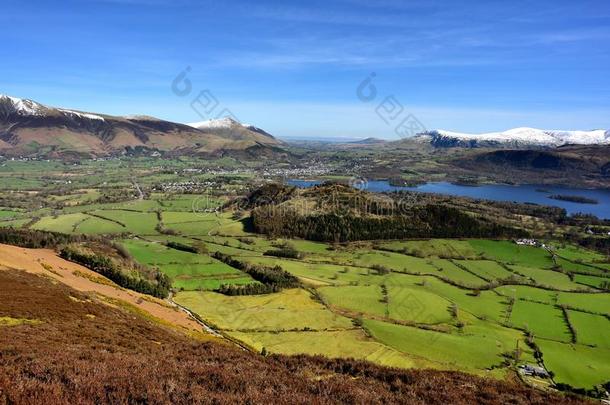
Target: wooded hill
[(338, 213)]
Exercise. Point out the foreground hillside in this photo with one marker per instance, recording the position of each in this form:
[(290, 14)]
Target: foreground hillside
[(59, 345)]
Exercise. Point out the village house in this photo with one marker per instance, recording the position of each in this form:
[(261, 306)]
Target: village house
[(533, 371), (527, 242)]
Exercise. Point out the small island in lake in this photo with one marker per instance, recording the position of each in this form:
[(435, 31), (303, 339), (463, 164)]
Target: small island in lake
[(574, 199)]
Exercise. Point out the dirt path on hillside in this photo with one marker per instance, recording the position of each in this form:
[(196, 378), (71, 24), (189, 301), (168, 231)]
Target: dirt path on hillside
[(46, 262)]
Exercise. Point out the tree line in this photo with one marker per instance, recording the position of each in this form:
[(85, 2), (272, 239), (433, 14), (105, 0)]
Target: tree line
[(196, 248), (33, 239), (271, 279), (107, 268)]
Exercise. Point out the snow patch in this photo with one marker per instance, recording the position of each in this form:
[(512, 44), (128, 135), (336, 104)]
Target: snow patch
[(81, 115), (215, 123)]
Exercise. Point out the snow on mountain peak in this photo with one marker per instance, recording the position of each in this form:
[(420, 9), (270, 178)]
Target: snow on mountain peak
[(81, 115), (525, 136), (23, 106), (226, 122)]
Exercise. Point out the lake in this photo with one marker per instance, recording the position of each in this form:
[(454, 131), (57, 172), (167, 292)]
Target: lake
[(526, 193)]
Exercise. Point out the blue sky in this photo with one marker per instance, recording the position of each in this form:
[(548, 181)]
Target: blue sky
[(293, 67)]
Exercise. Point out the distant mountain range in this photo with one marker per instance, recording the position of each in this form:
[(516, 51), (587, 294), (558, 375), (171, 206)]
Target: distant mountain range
[(515, 138), (30, 128)]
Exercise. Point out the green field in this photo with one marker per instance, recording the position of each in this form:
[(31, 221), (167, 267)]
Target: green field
[(95, 225), (16, 223), (188, 271), (545, 321), (413, 304), (289, 310), (577, 365), (343, 343), (528, 293), (597, 303), (591, 281), (476, 352), (361, 299), (455, 249), (448, 269), (63, 223), (546, 278), (7, 214), (388, 303), (593, 330), (510, 253), (142, 223), (486, 269)]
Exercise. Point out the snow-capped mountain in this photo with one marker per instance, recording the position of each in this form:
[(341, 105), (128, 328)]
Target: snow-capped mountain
[(14, 105), (235, 130), (31, 128), (517, 137), (23, 107)]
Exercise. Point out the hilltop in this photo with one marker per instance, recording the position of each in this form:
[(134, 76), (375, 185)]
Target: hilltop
[(339, 213)]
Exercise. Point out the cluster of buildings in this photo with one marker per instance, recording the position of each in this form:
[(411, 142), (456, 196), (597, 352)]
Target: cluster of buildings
[(527, 242), (533, 371), (312, 169), (214, 171), (530, 242), (184, 187)]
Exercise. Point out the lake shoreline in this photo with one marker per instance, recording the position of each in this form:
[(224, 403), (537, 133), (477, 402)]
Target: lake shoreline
[(523, 193)]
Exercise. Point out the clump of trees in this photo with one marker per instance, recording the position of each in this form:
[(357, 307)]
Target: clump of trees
[(381, 269), (271, 279), (574, 198), (248, 289), (115, 196), (601, 245), (106, 267), (160, 227), (286, 250), (199, 247)]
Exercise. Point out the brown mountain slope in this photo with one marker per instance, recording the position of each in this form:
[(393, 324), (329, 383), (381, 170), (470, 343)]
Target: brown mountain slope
[(30, 128), (58, 345)]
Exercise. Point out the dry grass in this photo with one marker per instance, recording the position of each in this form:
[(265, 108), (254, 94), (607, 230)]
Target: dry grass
[(8, 321)]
